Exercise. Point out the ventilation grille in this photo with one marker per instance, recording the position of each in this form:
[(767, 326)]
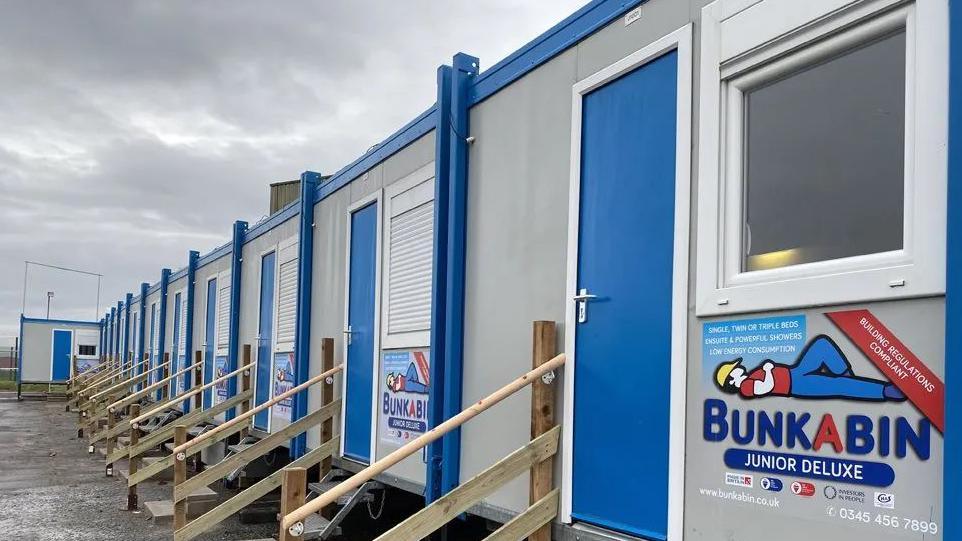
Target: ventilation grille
[(287, 303), (223, 317), (409, 290)]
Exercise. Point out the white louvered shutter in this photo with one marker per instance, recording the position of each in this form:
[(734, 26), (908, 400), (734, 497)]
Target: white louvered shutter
[(135, 331), (154, 333), (409, 289), (223, 317), (409, 247), (286, 305), (182, 333)]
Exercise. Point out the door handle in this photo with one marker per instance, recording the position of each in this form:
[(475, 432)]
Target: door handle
[(582, 299)]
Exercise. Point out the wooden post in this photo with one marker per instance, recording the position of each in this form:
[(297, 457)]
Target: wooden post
[(180, 476), (198, 464), (327, 427), (198, 380), (111, 440), (245, 385), (134, 461), (165, 390), (542, 419), (293, 492)]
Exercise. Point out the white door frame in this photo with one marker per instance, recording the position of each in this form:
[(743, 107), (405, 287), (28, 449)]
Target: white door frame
[(377, 198), (53, 331), (680, 41)]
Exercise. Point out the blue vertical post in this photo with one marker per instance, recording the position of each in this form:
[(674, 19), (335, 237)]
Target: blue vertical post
[(129, 299), (465, 69), (102, 352), (240, 231), (952, 468), (192, 258), (141, 324), (119, 331), (442, 164), (162, 324), (113, 332), (305, 274)]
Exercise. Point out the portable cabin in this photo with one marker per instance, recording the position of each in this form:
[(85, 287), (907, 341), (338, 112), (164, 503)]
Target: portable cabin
[(54, 350), (738, 212)]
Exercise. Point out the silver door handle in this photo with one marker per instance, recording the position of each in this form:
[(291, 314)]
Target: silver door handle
[(582, 299)]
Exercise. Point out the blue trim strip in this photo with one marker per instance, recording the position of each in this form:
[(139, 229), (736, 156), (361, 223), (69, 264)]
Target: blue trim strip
[(118, 333), (442, 161), (305, 276), (952, 469), (240, 228), (396, 141), (162, 324), (20, 355), (464, 72), (276, 219), (215, 254), (127, 305), (143, 327), (192, 258), (62, 321), (559, 38)]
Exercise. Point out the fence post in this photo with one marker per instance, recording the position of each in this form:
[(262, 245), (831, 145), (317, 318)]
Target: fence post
[(293, 492), (327, 396), (245, 386), (180, 476), (198, 465), (165, 390), (198, 380), (134, 462), (542, 419), (111, 421)]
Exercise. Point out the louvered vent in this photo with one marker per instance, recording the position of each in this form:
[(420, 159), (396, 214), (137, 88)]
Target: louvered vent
[(223, 317), (409, 291), (287, 303), (182, 335)]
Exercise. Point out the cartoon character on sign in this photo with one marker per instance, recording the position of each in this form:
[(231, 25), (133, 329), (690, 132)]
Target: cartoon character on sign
[(409, 382), (821, 371)]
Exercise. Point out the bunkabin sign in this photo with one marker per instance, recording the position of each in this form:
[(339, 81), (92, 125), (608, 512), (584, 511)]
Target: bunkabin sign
[(404, 389), (828, 416)]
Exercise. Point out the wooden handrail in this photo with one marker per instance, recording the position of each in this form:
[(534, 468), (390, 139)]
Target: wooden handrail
[(296, 518), (107, 377), (251, 412), (185, 396), (127, 382), (143, 392), (103, 377)]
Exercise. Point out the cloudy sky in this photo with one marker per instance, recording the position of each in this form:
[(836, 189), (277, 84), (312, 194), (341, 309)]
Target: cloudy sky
[(134, 131)]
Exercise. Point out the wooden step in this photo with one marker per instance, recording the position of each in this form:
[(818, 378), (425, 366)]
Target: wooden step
[(199, 502)]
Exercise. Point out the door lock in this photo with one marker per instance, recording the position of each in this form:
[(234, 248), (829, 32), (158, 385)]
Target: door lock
[(582, 299)]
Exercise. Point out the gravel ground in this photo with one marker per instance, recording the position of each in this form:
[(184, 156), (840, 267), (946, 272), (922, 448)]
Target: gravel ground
[(51, 489)]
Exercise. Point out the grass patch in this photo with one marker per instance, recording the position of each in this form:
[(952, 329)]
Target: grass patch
[(31, 387)]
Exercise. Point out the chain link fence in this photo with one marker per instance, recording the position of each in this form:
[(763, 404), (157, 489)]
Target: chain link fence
[(8, 363)]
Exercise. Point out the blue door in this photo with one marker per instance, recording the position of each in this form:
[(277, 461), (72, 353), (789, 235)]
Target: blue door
[(61, 355), (623, 344), (175, 360), (360, 320), (265, 330), (209, 339)]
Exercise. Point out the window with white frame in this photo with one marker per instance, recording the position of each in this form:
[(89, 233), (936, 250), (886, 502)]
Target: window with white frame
[(408, 261), (822, 171)]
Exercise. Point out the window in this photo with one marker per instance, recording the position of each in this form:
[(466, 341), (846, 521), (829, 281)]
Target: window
[(409, 257), (822, 171), (840, 166), (87, 350)]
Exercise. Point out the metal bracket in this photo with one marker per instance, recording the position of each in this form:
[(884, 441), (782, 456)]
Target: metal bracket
[(548, 377), (296, 529)]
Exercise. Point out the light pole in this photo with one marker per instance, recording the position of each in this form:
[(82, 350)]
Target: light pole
[(49, 296)]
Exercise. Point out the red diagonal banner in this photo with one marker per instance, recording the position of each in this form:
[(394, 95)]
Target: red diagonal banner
[(922, 387), (423, 367)]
